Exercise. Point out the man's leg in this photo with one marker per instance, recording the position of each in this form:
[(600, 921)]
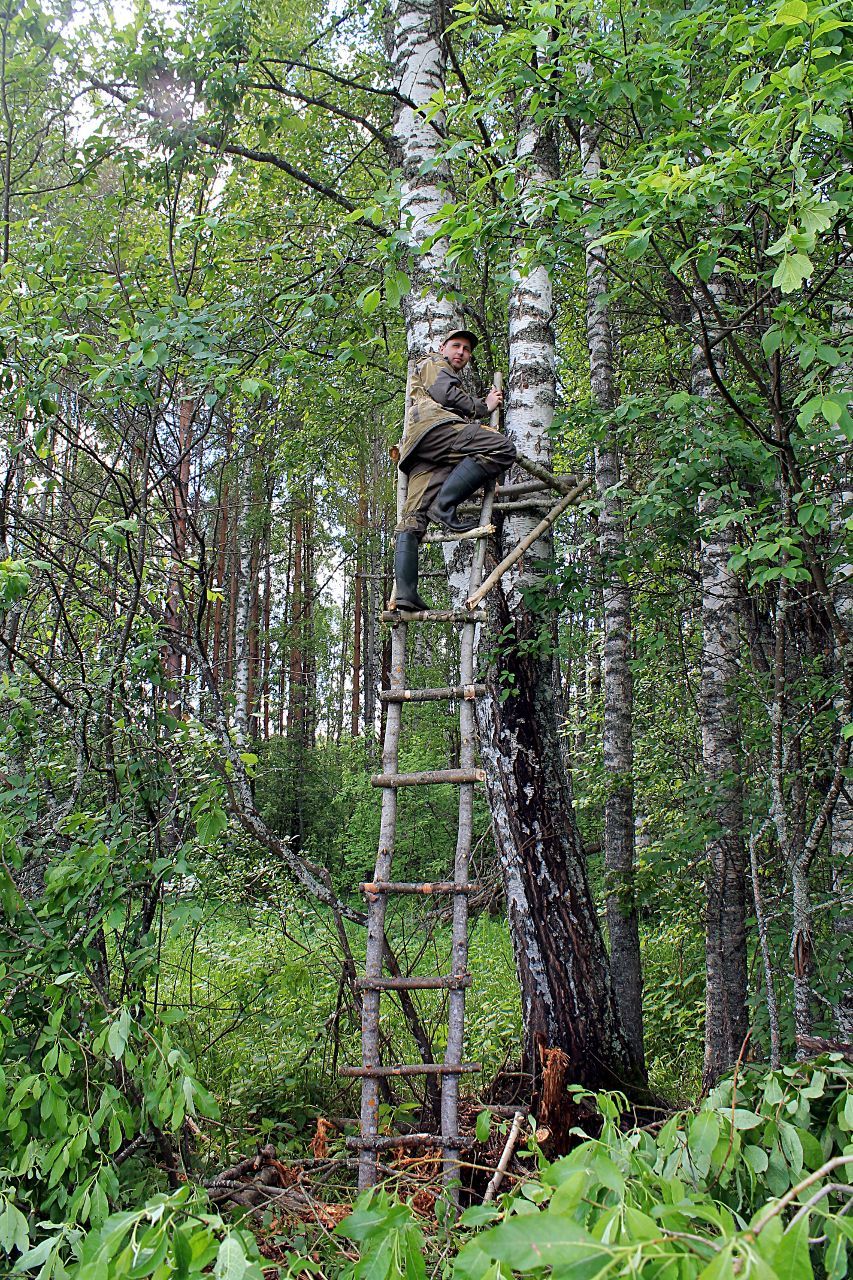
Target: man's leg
[(482, 456), (425, 480), (437, 457)]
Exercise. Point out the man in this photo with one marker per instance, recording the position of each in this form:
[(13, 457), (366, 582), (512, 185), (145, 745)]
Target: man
[(445, 453)]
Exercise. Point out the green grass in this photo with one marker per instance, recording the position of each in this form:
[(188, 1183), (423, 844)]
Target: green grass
[(255, 993)]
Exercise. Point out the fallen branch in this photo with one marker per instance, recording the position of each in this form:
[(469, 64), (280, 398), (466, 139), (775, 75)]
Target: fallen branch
[(506, 1156)]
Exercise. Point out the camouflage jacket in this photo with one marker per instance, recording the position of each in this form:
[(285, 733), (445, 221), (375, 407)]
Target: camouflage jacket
[(437, 396)]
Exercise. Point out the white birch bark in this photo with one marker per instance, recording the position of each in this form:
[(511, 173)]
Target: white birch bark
[(560, 955), (622, 924), (726, 1019), (559, 950), (419, 72), (241, 640), (841, 829)]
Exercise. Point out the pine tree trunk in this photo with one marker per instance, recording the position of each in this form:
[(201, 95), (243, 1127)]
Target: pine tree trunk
[(622, 923), (726, 1019)]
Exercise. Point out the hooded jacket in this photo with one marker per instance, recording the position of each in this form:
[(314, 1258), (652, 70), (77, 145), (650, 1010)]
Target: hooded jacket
[(437, 396)]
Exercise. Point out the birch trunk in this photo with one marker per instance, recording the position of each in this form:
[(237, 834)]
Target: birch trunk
[(560, 954), (726, 1018), (567, 996), (419, 72), (841, 830), (622, 923), (242, 643)]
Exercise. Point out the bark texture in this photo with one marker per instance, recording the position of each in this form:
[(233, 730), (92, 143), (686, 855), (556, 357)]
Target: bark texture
[(841, 831), (561, 959), (726, 1018), (419, 71), (560, 954), (622, 924)]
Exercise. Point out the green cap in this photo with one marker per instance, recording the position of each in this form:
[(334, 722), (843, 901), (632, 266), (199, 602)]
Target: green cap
[(461, 333)]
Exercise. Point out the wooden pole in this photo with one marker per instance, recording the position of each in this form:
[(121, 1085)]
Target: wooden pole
[(506, 1156), (517, 552), (464, 839), (402, 480), (563, 484)]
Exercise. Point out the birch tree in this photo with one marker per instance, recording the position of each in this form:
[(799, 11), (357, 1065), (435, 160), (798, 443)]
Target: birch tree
[(562, 963), (725, 938), (622, 925)]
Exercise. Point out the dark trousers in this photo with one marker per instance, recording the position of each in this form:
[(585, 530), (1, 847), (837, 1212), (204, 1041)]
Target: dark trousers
[(435, 457)]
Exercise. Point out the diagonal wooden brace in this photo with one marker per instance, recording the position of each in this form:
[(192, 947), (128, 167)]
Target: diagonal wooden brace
[(517, 552)]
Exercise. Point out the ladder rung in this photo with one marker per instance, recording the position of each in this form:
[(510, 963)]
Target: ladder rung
[(383, 1142), (427, 778), (509, 491), (413, 1069), (372, 887), (397, 616), (416, 982), (466, 691), (481, 531)]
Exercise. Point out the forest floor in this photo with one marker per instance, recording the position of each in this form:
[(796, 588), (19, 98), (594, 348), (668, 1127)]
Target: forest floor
[(258, 997)]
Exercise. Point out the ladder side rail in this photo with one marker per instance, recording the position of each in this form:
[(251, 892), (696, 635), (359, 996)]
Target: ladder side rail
[(464, 840), (402, 480), (375, 950)]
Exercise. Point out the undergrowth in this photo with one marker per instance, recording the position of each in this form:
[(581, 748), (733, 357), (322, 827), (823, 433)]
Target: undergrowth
[(755, 1183)]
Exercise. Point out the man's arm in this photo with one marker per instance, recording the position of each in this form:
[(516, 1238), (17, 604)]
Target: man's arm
[(448, 391)]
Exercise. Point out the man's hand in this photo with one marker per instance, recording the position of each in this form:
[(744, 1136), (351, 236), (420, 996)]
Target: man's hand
[(493, 399)]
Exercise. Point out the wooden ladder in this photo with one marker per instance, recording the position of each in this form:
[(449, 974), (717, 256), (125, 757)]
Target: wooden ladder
[(372, 1072), (458, 979)]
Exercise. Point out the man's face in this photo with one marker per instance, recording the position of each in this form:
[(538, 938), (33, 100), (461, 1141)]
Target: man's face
[(457, 351)]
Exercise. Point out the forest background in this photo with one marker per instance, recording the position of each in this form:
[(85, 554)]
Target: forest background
[(225, 229)]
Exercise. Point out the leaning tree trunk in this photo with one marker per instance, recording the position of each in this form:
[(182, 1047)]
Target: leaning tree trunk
[(622, 923), (726, 1018)]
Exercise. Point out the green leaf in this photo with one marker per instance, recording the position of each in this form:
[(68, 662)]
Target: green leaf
[(210, 823), (835, 1258), (14, 1231), (477, 1215), (791, 13), (833, 125), (793, 269), (118, 1034), (538, 1240), (370, 301), (791, 1259), (182, 1252), (756, 1158), (702, 1137), (483, 1126), (791, 1146), (771, 340), (746, 1119), (231, 1261)]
